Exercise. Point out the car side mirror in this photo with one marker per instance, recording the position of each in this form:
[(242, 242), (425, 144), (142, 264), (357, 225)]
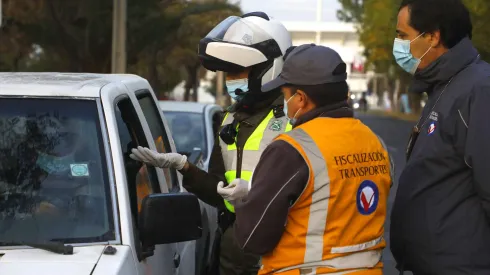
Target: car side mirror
[(169, 218), (195, 156)]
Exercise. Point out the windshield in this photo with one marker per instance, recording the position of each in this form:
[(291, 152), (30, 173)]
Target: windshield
[(53, 173), (188, 131)]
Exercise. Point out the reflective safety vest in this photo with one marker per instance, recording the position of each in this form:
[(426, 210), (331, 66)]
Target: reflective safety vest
[(336, 226), (263, 135)]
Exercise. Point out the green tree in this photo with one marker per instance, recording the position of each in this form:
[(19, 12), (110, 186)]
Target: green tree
[(352, 11), (202, 17), (76, 36), (480, 15)]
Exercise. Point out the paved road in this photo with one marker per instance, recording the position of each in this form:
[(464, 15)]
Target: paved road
[(395, 133)]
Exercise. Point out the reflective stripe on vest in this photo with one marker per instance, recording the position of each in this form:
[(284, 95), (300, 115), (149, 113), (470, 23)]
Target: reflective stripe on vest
[(262, 136), (336, 226)]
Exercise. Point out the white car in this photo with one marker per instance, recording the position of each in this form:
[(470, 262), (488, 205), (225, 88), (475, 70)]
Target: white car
[(72, 201), (191, 125)]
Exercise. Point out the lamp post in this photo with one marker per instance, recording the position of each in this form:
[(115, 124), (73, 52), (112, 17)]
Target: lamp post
[(220, 97), (318, 20), (0, 13), (118, 61)]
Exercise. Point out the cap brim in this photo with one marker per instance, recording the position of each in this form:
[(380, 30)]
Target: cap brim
[(274, 84)]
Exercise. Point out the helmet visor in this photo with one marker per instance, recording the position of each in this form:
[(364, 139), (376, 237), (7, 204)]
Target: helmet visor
[(238, 30)]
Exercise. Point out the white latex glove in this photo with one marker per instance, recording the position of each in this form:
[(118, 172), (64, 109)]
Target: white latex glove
[(162, 160), (236, 190)]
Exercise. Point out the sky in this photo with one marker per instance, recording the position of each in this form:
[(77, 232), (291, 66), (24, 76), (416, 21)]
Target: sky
[(293, 10)]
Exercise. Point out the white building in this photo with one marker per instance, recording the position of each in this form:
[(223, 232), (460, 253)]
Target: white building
[(340, 36)]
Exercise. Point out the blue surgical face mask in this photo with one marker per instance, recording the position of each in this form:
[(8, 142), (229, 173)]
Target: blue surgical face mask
[(403, 55), (233, 85), (292, 121)]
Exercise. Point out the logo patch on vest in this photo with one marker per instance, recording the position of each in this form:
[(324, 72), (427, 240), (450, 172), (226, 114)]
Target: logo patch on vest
[(276, 125), (367, 197)]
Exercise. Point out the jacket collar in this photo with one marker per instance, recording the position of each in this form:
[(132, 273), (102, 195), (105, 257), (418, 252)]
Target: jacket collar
[(253, 117), (338, 110), (445, 67)]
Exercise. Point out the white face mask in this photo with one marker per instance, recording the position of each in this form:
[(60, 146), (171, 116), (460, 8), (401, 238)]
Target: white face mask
[(292, 121)]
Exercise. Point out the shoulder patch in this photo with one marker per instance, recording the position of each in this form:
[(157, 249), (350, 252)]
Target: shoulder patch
[(276, 125)]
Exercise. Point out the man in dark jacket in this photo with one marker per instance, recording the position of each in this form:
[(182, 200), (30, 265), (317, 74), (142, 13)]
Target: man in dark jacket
[(440, 223)]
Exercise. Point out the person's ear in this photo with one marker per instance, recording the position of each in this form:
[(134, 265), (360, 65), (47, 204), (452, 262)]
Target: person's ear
[(302, 98), (435, 39)]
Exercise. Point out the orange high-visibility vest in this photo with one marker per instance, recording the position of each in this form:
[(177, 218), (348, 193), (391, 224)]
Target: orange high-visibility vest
[(336, 226)]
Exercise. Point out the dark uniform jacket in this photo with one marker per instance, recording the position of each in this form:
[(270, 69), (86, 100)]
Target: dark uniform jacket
[(440, 223)]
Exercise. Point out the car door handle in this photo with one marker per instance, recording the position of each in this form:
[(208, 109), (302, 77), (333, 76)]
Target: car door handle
[(176, 260)]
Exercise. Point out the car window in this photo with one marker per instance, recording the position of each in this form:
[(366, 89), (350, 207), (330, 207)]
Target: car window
[(142, 179), (189, 131), (54, 183), (159, 134)]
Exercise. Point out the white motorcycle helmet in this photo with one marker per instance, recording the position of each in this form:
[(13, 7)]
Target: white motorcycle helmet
[(250, 41)]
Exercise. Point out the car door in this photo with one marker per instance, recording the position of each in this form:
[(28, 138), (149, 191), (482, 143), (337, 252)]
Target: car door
[(212, 116), (184, 256), (142, 180)]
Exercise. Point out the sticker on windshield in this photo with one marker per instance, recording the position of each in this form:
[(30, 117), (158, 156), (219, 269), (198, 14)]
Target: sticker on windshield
[(79, 170)]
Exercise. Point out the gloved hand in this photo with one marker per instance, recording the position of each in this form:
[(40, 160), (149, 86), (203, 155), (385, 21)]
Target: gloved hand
[(162, 160), (236, 190)]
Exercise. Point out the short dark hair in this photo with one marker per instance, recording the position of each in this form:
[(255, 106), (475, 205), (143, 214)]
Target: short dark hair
[(325, 94), (450, 17)]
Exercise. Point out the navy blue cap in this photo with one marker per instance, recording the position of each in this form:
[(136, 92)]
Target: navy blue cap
[(308, 64)]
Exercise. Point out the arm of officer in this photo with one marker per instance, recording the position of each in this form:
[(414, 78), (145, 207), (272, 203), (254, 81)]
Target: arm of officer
[(478, 141), (279, 179), (203, 184)]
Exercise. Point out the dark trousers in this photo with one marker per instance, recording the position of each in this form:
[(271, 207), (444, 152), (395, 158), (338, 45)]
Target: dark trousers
[(233, 260)]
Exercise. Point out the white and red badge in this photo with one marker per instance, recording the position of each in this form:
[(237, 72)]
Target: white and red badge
[(432, 128), (367, 197)]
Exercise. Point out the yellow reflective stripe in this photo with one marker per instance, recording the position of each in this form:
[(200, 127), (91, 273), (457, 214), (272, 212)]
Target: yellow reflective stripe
[(262, 136), (249, 160), (230, 176), (253, 142), (229, 206), (227, 119)]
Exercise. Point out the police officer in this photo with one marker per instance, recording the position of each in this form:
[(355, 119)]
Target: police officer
[(250, 50), (317, 203)]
